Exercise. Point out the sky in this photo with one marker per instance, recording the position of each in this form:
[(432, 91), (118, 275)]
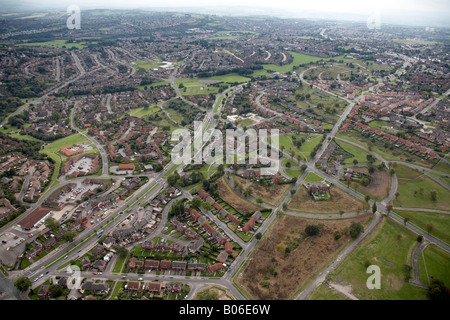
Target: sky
[(423, 11)]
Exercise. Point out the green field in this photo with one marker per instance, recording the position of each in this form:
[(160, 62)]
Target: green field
[(142, 112), (245, 122), (145, 65), (224, 38), (358, 154), (261, 72), (312, 177), (293, 173), (388, 247), (379, 124), (442, 167), (415, 190), (299, 58), (305, 149), (440, 222), (385, 149), (57, 44), (436, 264), (52, 150), (331, 106), (194, 86), (8, 128), (302, 59), (69, 140)]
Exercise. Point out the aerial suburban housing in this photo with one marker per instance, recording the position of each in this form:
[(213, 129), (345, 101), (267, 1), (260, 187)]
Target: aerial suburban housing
[(223, 154)]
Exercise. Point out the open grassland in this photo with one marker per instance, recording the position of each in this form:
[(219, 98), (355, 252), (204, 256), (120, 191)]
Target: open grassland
[(388, 247), (270, 195), (385, 149), (311, 141), (415, 190), (8, 128), (146, 65), (435, 265), (276, 273), (52, 150), (339, 201), (73, 139), (330, 106), (440, 222), (312, 177), (442, 167), (56, 44), (235, 200), (195, 86), (379, 185), (359, 154), (142, 112), (299, 59)]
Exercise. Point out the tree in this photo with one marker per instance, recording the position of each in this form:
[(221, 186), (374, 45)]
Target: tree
[(177, 209), (122, 252), (336, 235), (389, 208), (355, 229), (438, 291), (312, 230), (248, 191), (429, 227), (207, 205), (433, 196), (365, 181), (55, 290), (173, 178), (51, 223), (240, 188), (258, 235), (22, 284), (69, 236), (196, 202), (374, 207)]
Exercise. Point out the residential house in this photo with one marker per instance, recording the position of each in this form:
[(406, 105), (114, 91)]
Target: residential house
[(154, 287), (43, 291), (134, 286), (151, 264), (222, 257)]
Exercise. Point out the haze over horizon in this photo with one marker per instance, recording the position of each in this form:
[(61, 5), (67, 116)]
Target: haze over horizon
[(433, 13)]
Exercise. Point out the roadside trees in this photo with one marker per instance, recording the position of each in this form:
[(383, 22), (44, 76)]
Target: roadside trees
[(22, 284)]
